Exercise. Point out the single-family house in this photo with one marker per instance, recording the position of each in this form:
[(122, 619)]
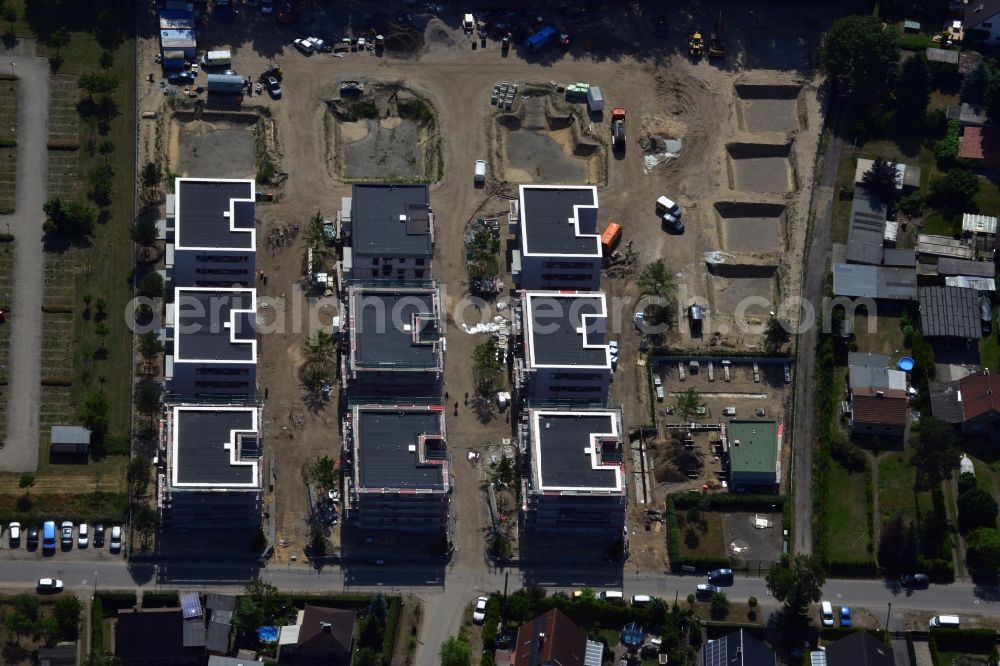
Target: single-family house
[(981, 144), (983, 16), (859, 649), (950, 312), (552, 639), (737, 649), (972, 404)]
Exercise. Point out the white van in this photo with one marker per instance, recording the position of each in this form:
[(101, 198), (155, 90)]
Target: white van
[(480, 173), (611, 595), (826, 614), (944, 621), (641, 599), (667, 205), (217, 59)]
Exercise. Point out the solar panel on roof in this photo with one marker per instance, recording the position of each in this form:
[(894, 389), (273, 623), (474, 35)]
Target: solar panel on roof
[(190, 605), (716, 652)]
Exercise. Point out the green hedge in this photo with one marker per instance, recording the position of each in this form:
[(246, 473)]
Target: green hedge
[(490, 625), (96, 625), (852, 569), (980, 641), (940, 571), (718, 502), (160, 599), (112, 602), (714, 630), (836, 633), (730, 501), (391, 625)]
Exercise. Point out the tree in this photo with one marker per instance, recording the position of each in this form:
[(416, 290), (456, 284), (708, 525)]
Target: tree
[(976, 508), (317, 351), (913, 92), (371, 634), (70, 218), (487, 368), (95, 414), (894, 552), (455, 652), (152, 174), (150, 345), (107, 59), (260, 605), (46, 630), (26, 482), (9, 14), (59, 39), (720, 605), (67, 612), (991, 94), (983, 548), (936, 451), (365, 656), (776, 335), (107, 30), (148, 398), (689, 403), (861, 58), (315, 233), (656, 280), (102, 182), (379, 608), (144, 231), (483, 247), (974, 85), (151, 285), (881, 179), (504, 472), (95, 83), (18, 624), (954, 191), (27, 605), (324, 472), (796, 582), (138, 474)]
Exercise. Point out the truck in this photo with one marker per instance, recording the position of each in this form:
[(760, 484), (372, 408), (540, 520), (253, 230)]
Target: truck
[(618, 128), (609, 239), (696, 44), (217, 59), (541, 39)]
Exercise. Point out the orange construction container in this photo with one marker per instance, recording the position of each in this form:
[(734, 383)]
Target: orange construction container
[(612, 234)]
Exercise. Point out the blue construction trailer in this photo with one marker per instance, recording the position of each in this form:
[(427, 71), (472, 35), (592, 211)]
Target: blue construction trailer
[(541, 38)]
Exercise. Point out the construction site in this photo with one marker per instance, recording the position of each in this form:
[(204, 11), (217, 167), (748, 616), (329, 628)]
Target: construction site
[(733, 145)]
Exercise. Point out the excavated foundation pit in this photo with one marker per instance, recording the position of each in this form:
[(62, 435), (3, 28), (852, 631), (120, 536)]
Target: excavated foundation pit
[(770, 108), (751, 227), (742, 290), (761, 167)]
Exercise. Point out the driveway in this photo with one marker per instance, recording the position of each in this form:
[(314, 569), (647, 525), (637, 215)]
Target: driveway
[(20, 450)]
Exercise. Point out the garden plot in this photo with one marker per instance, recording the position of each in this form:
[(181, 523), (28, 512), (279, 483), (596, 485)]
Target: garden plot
[(751, 227), (760, 167), (770, 108), (217, 146), (6, 288), (540, 143), (8, 145), (58, 343), (387, 132), (64, 138)]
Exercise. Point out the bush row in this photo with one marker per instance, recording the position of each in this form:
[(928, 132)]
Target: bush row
[(852, 569), (982, 641)]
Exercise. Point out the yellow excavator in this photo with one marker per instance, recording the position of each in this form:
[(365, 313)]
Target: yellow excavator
[(716, 45), (696, 44)]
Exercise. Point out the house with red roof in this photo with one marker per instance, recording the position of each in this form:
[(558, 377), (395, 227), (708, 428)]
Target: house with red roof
[(972, 404), (981, 144)]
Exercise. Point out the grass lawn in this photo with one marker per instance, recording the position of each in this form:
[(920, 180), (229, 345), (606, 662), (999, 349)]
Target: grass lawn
[(895, 487), (848, 532), (702, 540), (887, 338), (842, 207), (989, 349)]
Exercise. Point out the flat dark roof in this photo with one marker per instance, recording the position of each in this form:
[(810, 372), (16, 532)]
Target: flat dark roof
[(375, 220), (201, 436), (202, 215), (557, 334), (383, 438), (545, 220), (562, 440), (381, 320), (202, 325)]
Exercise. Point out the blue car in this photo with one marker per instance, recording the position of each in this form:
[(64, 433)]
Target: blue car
[(845, 616)]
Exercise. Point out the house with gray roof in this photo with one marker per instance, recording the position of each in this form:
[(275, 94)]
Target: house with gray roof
[(950, 312), (561, 353), (396, 340), (213, 473), (69, 439), (211, 232), (866, 233), (576, 482), (558, 242), (400, 467), (737, 649), (388, 232), (880, 283)]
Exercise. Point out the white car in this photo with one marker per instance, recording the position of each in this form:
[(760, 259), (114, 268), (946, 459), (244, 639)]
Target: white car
[(826, 613), (116, 539), (15, 535), (305, 46), (83, 536), (49, 585), (479, 614)]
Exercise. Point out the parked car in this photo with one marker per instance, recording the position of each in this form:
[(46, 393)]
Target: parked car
[(116, 539), (826, 614), (98, 536), (308, 45), (845, 616), (32, 538), (706, 590), (720, 576), (915, 580), (14, 535), (49, 537), (49, 585), (67, 534), (479, 173), (83, 536), (671, 214), (182, 78), (479, 614), (274, 87)]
